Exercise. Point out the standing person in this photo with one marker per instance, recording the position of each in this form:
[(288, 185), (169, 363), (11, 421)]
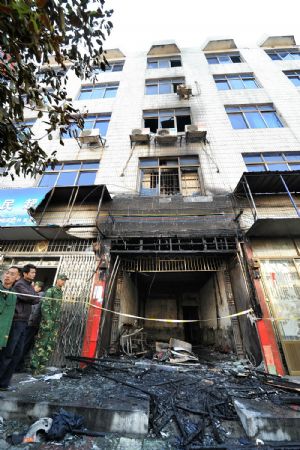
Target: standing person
[(47, 336), (32, 327), (12, 353), (7, 303)]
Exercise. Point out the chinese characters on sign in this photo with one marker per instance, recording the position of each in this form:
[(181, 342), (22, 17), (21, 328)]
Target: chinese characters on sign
[(15, 203)]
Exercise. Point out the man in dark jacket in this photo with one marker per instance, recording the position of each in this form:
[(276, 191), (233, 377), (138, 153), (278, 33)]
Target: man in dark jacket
[(12, 353)]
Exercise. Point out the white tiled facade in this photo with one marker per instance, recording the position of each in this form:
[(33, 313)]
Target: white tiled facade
[(221, 161)]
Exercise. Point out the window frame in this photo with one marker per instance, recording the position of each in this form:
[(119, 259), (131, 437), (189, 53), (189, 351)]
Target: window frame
[(97, 70), (280, 58), (266, 165), (220, 55), (98, 87), (293, 73), (159, 114), (173, 82), (169, 59), (242, 110), (78, 171), (98, 117), (160, 168), (241, 76)]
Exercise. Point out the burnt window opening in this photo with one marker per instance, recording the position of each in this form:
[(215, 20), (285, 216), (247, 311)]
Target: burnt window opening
[(169, 176), (173, 118)]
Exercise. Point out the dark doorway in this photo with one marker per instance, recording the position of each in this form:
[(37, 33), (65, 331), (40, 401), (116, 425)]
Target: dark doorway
[(191, 330)]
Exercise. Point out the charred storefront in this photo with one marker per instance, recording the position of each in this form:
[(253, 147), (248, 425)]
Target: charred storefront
[(176, 272)]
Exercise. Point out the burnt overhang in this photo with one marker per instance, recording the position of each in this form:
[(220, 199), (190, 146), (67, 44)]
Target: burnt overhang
[(35, 233), (269, 182), (84, 194), (275, 227)]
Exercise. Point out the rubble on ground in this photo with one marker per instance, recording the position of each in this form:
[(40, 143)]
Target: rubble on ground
[(191, 404)]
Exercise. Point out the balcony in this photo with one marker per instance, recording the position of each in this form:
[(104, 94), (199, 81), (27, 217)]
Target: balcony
[(269, 203)]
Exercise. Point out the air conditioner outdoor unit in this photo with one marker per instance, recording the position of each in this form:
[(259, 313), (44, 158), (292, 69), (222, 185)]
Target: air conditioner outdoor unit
[(166, 136), (184, 91), (140, 135), (195, 133), (89, 136)]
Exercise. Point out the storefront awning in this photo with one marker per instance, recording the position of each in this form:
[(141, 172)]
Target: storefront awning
[(34, 233)]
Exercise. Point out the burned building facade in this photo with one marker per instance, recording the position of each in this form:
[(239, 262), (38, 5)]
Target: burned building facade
[(179, 200)]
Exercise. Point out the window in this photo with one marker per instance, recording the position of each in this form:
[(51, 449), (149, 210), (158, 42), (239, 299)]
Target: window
[(70, 174), (253, 116), (100, 121), (167, 118), (163, 86), (294, 76), (224, 58), (169, 176), (98, 91), (261, 162), (236, 81), (283, 55), (163, 63), (116, 66)]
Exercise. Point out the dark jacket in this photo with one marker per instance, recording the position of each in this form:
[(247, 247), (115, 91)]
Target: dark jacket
[(23, 306)]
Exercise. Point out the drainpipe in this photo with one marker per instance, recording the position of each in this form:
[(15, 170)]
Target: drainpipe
[(266, 334)]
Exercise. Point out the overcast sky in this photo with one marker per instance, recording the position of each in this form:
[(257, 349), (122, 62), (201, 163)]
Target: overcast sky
[(137, 23)]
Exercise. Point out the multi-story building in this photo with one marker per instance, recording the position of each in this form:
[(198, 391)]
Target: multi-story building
[(179, 200)]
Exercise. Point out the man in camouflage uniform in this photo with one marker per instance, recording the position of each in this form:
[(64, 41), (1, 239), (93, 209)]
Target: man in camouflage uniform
[(47, 336)]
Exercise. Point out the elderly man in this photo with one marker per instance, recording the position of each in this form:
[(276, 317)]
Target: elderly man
[(47, 336), (7, 303), (12, 353)]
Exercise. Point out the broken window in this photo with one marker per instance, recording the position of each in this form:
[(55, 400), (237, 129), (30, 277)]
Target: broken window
[(163, 63), (162, 86), (224, 58), (169, 176), (116, 66), (94, 91), (167, 118)]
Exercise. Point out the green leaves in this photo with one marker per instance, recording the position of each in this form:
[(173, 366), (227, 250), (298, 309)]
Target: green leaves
[(35, 34)]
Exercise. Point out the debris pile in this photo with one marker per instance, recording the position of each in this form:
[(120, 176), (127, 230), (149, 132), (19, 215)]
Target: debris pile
[(175, 352)]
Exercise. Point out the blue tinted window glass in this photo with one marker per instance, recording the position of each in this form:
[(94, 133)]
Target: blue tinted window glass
[(296, 55), (232, 108), (272, 120), (294, 166), (222, 85), (152, 89), (98, 93), (274, 56), (255, 120), (212, 60), (252, 158), (88, 124), (117, 68), (149, 162), (295, 80), (189, 160), (152, 65), (86, 178), (283, 55), (293, 156), (250, 84), (72, 129), (236, 84), (273, 157), (90, 165), (224, 59), (102, 126), (72, 166), (237, 121), (66, 179), (277, 167), (48, 179), (258, 168), (110, 92), (84, 95), (165, 88), (163, 63)]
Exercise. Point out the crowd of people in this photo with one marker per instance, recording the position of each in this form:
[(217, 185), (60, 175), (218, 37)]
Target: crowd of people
[(29, 322)]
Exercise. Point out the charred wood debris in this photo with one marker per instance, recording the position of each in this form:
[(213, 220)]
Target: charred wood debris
[(193, 397)]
